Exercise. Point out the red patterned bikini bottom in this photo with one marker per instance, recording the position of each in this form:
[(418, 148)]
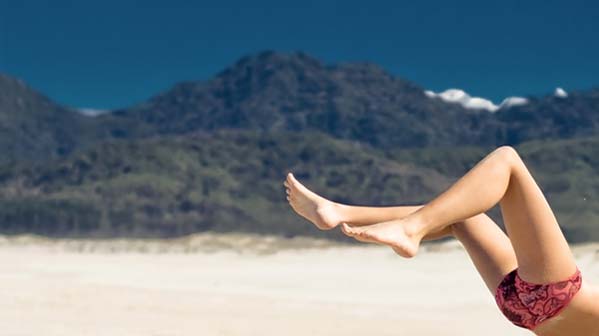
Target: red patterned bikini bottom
[(527, 304)]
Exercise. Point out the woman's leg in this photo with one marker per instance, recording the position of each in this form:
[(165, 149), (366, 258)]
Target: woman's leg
[(326, 214), (489, 248), (501, 177)]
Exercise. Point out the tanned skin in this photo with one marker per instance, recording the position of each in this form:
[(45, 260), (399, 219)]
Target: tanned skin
[(534, 242)]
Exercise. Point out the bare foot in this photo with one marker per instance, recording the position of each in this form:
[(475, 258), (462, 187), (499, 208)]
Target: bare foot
[(323, 213), (393, 233)]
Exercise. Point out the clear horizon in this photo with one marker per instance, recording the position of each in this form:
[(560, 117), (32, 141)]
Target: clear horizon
[(116, 54)]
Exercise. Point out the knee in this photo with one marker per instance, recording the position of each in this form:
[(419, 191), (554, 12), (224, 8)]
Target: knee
[(507, 154), (458, 229), (453, 228)]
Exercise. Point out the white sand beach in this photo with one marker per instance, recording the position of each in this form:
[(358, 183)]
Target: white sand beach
[(245, 285)]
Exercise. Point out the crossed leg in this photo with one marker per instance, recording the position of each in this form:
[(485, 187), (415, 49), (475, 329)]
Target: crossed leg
[(327, 215), (541, 249), (488, 247), (542, 252)]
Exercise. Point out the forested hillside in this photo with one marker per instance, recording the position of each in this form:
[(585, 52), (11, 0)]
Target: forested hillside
[(212, 155)]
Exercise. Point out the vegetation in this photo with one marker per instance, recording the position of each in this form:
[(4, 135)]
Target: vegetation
[(232, 181), (223, 182), (34, 128), (212, 155)]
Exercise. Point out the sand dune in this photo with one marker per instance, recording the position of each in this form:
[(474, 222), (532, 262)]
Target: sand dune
[(244, 285)]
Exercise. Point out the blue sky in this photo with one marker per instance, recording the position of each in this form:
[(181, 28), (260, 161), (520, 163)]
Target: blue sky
[(108, 54)]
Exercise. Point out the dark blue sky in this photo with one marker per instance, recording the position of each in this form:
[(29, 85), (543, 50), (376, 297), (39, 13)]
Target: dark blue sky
[(108, 54)]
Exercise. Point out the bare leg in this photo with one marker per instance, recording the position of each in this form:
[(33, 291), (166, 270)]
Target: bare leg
[(326, 214), (489, 248), (501, 177)]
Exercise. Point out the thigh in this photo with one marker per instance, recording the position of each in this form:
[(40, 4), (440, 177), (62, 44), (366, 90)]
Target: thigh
[(488, 247), (541, 249)]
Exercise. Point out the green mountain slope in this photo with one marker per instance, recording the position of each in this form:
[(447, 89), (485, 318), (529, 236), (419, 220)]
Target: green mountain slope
[(32, 127), (362, 102), (231, 181), (295, 92), (211, 155), (228, 181)]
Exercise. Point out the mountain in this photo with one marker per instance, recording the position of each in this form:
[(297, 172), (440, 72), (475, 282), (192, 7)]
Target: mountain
[(294, 92), (550, 117), (232, 181), (356, 101), (32, 127), (211, 155), (223, 181)]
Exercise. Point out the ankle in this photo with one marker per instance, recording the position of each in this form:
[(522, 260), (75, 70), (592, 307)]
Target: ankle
[(417, 226), (343, 211)]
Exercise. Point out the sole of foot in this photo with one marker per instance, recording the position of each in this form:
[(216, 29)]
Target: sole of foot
[(392, 234), (323, 213)]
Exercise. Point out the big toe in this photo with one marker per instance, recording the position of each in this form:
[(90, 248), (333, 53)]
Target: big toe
[(348, 230), (290, 178), (293, 182)]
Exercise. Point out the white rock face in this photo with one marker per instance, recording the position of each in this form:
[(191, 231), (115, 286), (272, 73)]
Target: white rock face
[(513, 101), (91, 112), (561, 93), (461, 97), (479, 103), (455, 95)]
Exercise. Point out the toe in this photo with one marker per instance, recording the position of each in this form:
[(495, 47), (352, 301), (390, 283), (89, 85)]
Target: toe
[(296, 185), (363, 234), (359, 231), (293, 181), (366, 234), (347, 229)]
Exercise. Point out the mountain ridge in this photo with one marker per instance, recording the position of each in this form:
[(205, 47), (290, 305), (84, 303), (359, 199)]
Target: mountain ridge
[(356, 101), (209, 155), (273, 91), (34, 127)]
